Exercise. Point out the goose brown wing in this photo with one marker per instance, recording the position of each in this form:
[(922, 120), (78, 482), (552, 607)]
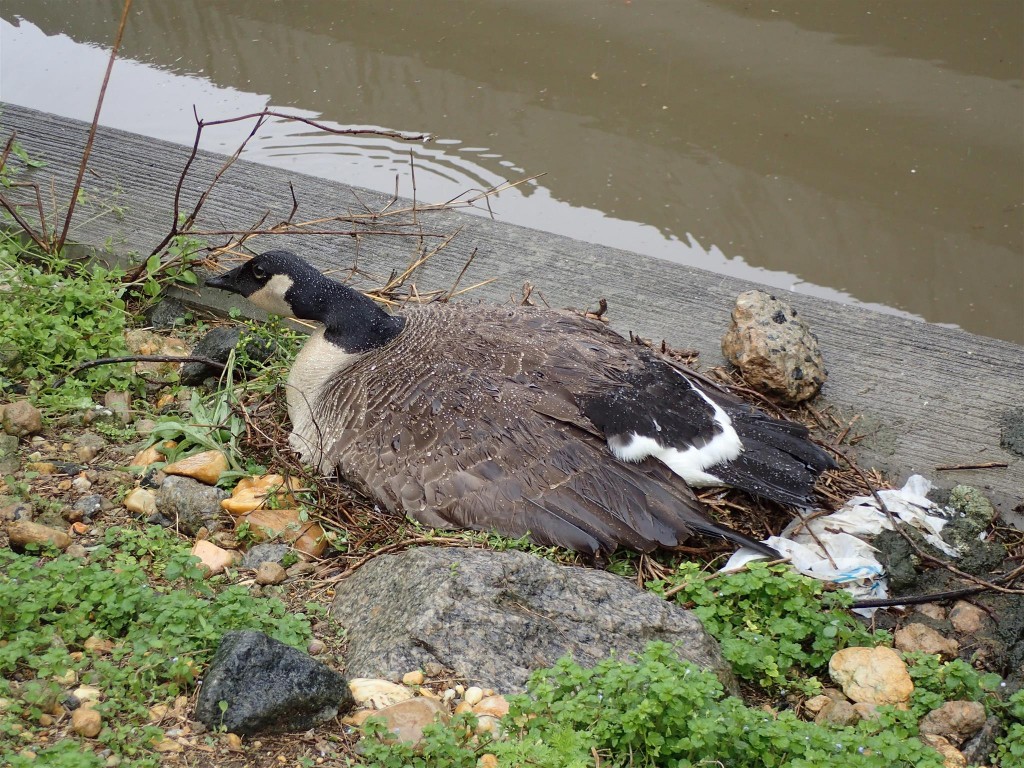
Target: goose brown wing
[(480, 428), (510, 469)]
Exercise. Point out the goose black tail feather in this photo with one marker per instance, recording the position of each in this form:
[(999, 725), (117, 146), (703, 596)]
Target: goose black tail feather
[(720, 532), (779, 461)]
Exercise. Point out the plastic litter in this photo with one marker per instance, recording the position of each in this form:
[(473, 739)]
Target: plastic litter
[(829, 548)]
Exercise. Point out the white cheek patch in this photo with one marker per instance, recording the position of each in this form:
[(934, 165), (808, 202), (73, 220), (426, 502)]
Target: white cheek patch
[(688, 463), (270, 298)]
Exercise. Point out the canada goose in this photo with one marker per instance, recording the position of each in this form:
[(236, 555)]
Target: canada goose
[(517, 419)]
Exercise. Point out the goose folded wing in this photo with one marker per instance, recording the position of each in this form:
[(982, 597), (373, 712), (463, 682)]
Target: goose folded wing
[(516, 470)]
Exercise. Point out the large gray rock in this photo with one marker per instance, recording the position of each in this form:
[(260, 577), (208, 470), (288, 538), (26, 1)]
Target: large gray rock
[(493, 617), (268, 687), (191, 504)]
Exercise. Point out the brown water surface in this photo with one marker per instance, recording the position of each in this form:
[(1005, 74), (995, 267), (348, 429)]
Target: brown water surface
[(867, 150)]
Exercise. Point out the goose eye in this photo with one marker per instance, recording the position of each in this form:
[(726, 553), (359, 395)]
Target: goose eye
[(259, 273)]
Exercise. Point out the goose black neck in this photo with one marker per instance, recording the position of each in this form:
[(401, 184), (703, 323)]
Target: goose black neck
[(351, 320)]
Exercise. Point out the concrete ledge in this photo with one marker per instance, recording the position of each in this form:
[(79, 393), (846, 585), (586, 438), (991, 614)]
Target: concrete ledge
[(929, 395)]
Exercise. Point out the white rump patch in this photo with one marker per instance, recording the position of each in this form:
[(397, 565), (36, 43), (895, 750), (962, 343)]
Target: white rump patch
[(689, 463)]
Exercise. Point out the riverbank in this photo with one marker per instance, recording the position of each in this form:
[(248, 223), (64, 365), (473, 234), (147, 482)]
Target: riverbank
[(924, 396)]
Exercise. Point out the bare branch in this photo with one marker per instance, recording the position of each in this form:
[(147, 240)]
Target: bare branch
[(95, 122)]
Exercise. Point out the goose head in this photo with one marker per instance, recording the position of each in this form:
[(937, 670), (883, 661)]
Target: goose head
[(278, 282), (281, 283)]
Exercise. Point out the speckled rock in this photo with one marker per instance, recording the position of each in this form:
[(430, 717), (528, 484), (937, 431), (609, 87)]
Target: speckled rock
[(399, 612), (977, 748), (90, 506), (21, 418), (1011, 430), (190, 503), (216, 345), (269, 687), (773, 348)]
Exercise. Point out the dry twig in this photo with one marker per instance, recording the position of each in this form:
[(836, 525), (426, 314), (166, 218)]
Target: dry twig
[(95, 122)]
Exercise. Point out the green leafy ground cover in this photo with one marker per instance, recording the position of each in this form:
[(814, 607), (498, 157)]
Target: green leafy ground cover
[(142, 591)]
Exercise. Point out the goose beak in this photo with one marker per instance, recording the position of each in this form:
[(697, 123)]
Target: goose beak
[(225, 282)]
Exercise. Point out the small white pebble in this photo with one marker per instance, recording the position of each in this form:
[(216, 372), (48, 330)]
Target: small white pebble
[(460, 689), (473, 695)]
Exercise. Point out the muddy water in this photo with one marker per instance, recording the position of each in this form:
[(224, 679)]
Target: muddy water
[(867, 150)]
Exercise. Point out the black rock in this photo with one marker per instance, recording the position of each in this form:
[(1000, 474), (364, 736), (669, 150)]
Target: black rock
[(977, 748), (217, 345), (66, 468), (166, 314), (494, 617), (157, 519), (268, 687)]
